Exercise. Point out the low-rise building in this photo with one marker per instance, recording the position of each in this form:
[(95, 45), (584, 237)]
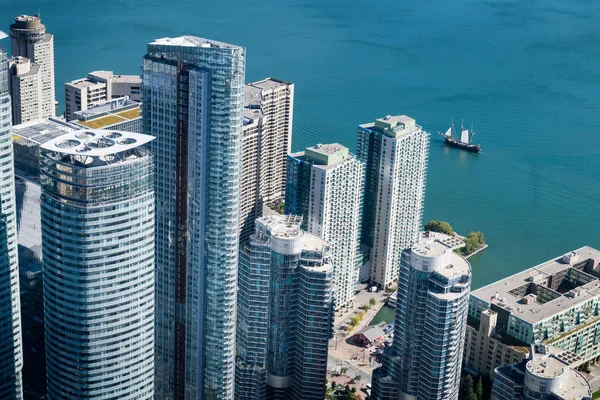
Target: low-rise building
[(548, 374), (370, 334), (121, 114), (556, 303)]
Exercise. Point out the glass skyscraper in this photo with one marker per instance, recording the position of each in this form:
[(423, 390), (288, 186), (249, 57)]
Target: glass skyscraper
[(425, 359), (11, 350), (98, 256), (285, 313), (193, 104)]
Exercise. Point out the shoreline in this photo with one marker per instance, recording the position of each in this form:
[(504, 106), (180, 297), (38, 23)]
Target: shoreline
[(481, 247)]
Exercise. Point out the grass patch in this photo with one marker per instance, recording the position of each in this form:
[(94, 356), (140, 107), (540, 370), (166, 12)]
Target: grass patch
[(596, 394), (131, 114), (101, 122)]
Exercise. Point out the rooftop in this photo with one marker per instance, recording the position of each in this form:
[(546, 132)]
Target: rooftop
[(269, 84), (85, 83), (327, 154), (87, 144), (433, 244), (40, 131), (108, 113), (552, 294), (127, 79), (192, 41), (394, 126)]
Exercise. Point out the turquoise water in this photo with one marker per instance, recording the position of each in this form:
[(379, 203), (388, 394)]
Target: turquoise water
[(526, 72)]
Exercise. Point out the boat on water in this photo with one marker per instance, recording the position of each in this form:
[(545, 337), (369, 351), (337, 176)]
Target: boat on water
[(466, 139), (392, 300)]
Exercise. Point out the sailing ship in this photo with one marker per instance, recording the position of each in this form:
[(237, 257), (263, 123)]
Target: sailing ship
[(465, 141)]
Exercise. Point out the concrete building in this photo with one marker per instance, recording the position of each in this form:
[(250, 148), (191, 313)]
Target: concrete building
[(98, 88), (285, 313), (98, 256), (424, 361), (194, 91), (121, 114), (555, 303), (325, 186), (484, 348), (11, 359), (395, 151), (29, 40), (548, 374), (267, 139), (25, 87)]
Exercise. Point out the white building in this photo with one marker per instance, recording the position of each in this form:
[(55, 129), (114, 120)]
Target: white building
[(11, 359), (324, 184), (25, 86), (395, 150), (267, 140), (29, 40), (98, 257), (97, 88)]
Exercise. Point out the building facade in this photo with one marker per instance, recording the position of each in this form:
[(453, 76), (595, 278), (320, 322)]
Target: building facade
[(98, 256), (394, 150), (30, 40), (331, 179), (11, 349), (556, 303), (424, 361), (267, 139), (25, 87), (549, 374), (98, 88), (193, 105), (285, 313)]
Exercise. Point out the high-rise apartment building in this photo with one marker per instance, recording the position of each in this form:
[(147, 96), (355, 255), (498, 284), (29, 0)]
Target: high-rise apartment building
[(549, 373), (285, 313), (395, 151), (11, 350), (424, 361), (98, 88), (29, 40), (267, 139), (555, 303), (98, 255), (324, 185), (193, 104)]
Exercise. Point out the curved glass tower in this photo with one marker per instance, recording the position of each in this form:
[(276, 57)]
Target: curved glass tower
[(98, 255), (11, 352)]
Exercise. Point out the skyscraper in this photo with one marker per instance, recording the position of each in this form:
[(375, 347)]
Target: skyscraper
[(98, 255), (395, 151), (424, 361), (267, 139), (285, 313), (324, 184), (11, 350), (193, 104), (30, 40)]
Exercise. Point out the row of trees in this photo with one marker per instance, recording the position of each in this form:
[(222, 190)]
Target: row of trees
[(472, 241), (470, 389)]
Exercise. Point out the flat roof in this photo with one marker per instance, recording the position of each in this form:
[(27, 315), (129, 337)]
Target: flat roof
[(85, 82), (193, 41), (434, 244), (96, 142), (269, 84), (42, 130), (498, 293), (394, 125), (126, 79)]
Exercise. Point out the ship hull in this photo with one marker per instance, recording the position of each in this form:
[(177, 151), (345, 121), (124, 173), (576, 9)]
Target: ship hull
[(464, 146)]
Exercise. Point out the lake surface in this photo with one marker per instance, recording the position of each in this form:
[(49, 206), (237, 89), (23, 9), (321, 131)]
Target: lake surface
[(526, 72)]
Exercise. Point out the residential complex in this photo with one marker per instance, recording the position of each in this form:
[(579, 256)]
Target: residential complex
[(32, 70), (98, 256), (193, 91), (555, 303), (11, 349), (395, 151), (122, 114), (424, 361), (98, 88), (285, 312), (549, 373), (267, 139), (324, 185)]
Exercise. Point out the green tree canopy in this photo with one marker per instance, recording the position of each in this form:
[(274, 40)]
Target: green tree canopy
[(472, 242), (479, 389), (439, 226)]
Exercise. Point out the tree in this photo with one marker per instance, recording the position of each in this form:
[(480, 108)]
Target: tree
[(472, 242), (343, 370), (439, 226), (372, 301), (357, 378), (466, 387), (332, 385), (479, 389)]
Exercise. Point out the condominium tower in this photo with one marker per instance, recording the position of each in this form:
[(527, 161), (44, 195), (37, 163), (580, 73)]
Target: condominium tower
[(193, 105), (32, 64), (424, 361), (324, 185), (98, 255), (285, 313), (395, 151), (267, 139), (11, 350)]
